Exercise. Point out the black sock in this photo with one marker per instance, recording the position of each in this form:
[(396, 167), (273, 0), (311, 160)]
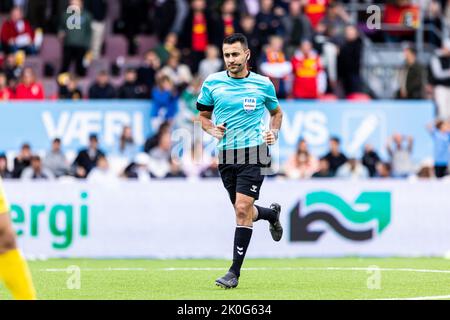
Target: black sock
[(266, 214), (242, 238)]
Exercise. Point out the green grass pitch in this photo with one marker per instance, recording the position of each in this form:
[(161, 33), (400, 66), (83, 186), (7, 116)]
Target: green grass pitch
[(338, 278)]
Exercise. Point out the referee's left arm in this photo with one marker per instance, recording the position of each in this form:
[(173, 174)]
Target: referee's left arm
[(276, 119)]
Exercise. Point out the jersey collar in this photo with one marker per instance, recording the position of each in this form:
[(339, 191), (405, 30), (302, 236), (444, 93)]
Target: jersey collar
[(248, 75)]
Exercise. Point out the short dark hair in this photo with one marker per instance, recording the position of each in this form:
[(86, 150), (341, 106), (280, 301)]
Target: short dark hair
[(335, 139), (236, 37)]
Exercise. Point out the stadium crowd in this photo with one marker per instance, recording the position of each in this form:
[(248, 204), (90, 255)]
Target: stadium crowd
[(162, 51)]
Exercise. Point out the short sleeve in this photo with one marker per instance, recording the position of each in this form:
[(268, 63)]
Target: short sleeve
[(271, 98), (205, 101)]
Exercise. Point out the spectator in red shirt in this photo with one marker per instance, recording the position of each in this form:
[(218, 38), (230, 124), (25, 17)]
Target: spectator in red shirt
[(5, 92), (309, 76), (17, 33), (29, 88), (196, 34)]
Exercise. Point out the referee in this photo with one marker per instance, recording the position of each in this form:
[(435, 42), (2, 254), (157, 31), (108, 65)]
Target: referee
[(238, 98)]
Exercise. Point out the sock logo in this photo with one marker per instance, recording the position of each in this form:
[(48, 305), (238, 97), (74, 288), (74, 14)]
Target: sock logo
[(240, 251), (366, 218)]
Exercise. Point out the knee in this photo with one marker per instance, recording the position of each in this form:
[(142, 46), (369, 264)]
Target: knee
[(243, 210), (7, 240)]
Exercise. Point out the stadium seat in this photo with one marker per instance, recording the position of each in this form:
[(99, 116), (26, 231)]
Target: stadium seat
[(146, 43), (96, 66), (116, 46), (35, 63), (328, 97), (358, 96), (51, 51), (50, 88)]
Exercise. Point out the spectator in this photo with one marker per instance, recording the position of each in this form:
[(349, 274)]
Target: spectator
[(309, 77), (226, 22), (17, 34), (4, 172), (68, 87), (400, 155), (275, 66), (5, 92), (335, 21), (349, 61), (164, 98), (168, 17), (412, 77), (29, 88), (383, 170), (87, 159), (248, 24), (98, 10), (127, 147), (297, 27), (131, 89), (302, 164), (160, 157), (36, 171), (134, 20), (426, 171), (138, 169), (22, 161), (188, 105), (165, 49), (211, 64), (195, 160), (324, 169), (370, 159), (12, 70), (433, 15), (440, 134), (76, 41), (315, 10), (56, 161), (335, 157), (353, 170), (212, 171), (267, 23), (175, 170), (179, 74), (102, 173), (440, 73), (403, 14), (196, 34), (102, 88), (153, 141), (146, 73)]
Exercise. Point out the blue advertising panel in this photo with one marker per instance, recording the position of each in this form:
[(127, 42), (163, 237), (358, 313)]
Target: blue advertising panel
[(355, 123)]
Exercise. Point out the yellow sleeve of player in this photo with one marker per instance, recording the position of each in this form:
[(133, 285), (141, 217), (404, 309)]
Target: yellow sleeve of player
[(4, 206)]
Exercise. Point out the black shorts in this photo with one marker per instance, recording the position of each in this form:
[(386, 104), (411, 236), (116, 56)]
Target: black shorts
[(244, 175)]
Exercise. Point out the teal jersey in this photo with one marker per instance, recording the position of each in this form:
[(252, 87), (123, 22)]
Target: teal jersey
[(240, 104)]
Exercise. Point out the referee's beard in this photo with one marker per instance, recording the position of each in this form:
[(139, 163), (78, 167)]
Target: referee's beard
[(238, 70)]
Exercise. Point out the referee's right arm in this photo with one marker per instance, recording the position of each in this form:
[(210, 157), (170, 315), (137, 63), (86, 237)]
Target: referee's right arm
[(207, 125)]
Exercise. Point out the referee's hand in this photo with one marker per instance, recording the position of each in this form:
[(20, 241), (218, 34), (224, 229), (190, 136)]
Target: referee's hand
[(270, 137), (219, 131)]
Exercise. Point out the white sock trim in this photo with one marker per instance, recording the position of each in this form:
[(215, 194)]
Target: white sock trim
[(244, 227)]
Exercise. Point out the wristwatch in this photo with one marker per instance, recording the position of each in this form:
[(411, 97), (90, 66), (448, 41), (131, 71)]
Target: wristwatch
[(275, 133)]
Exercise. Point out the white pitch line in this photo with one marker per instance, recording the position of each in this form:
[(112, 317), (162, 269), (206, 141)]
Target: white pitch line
[(93, 269), (313, 269), (261, 269)]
